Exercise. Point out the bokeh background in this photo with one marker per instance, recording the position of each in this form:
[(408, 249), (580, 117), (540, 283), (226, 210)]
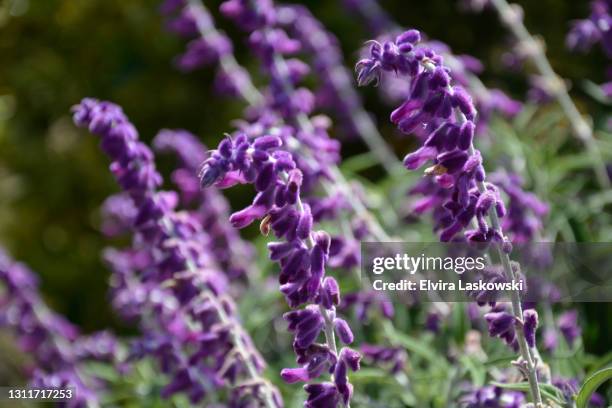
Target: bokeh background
[(54, 52)]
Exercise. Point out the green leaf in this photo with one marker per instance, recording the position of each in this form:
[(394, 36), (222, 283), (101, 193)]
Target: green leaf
[(475, 368), (601, 362), (413, 345), (590, 385), (102, 371), (595, 92), (359, 162)]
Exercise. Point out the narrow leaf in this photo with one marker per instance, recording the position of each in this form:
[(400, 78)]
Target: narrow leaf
[(590, 385)]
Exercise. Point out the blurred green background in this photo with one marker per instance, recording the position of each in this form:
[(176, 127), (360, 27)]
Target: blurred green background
[(54, 52)]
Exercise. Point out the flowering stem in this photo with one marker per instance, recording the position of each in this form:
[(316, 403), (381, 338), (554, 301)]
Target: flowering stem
[(374, 140), (330, 337), (254, 377), (227, 61), (517, 310), (581, 128)]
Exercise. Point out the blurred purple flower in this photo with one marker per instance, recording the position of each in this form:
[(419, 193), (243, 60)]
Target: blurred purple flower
[(194, 329), (567, 323)]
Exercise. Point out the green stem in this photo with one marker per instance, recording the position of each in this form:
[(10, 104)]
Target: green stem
[(583, 131)]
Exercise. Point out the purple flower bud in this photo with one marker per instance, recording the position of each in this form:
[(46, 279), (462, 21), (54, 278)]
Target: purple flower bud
[(439, 79), (330, 293), (416, 159), (502, 324), (267, 143), (304, 225), (306, 323), (568, 325), (453, 161), (530, 324), (280, 250), (293, 375), (410, 36), (466, 135), (351, 357), (265, 178), (463, 101), (321, 395), (343, 330), (245, 217)]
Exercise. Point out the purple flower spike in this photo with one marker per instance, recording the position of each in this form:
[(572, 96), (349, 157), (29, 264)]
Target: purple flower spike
[(442, 115), (301, 252), (55, 345), (343, 330), (193, 330)]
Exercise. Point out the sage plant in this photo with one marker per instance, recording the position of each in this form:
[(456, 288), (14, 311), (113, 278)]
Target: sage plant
[(446, 113), (302, 255), (464, 68), (511, 15), (58, 349), (205, 346)]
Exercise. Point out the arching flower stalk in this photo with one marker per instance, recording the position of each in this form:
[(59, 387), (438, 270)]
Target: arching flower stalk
[(318, 153), (336, 91), (464, 68), (344, 249), (190, 19), (208, 346), (302, 255), (54, 343), (273, 46), (511, 15), (446, 114)]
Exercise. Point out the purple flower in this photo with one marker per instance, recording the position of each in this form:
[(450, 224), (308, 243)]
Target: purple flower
[(52, 342), (567, 323), (525, 211), (118, 214), (489, 396), (530, 324), (301, 252), (366, 302), (234, 255), (432, 321), (194, 327), (569, 388), (502, 324), (392, 357), (448, 138), (583, 35), (597, 28)]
